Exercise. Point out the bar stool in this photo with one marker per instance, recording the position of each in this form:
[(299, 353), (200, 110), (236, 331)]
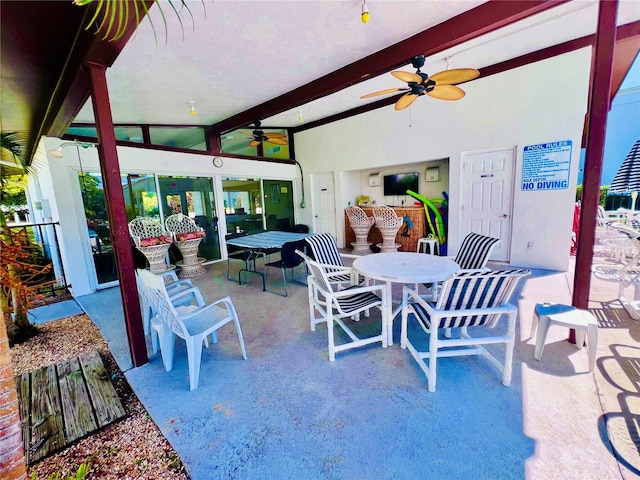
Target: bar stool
[(428, 245), (582, 321)]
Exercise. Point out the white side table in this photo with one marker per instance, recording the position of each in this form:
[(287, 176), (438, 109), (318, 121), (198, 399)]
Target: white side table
[(584, 323), (428, 245)]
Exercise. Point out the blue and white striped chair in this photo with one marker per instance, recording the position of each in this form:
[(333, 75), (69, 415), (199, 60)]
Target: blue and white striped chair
[(467, 299), (473, 256), (324, 250), (335, 306), (475, 251)]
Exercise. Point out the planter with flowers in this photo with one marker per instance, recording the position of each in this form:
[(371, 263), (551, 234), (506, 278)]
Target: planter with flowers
[(153, 241), (187, 237)]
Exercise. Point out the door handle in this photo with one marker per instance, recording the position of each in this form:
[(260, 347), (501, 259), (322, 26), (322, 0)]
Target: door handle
[(504, 216)]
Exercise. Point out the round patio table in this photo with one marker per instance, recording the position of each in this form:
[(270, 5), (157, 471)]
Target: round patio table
[(405, 268)]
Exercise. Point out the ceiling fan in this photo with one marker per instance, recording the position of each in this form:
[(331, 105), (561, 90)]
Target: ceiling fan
[(439, 85), (258, 136)]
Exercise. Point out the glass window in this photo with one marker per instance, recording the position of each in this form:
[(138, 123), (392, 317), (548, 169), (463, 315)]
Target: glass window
[(129, 134), (192, 196), (237, 142), (278, 204), (243, 205), (183, 137), (83, 131)]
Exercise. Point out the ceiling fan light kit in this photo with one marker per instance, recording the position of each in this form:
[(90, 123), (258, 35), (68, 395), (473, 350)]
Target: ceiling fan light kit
[(439, 85)]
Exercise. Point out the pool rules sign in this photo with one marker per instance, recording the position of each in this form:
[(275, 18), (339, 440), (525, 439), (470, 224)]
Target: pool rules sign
[(546, 166)]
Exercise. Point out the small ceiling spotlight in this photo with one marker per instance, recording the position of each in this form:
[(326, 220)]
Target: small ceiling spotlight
[(365, 12), (193, 107), (299, 115)]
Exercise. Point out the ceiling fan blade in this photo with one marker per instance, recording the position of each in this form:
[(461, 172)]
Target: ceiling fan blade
[(406, 100), (456, 75), (275, 135), (384, 92), (254, 143), (407, 76), (277, 141), (446, 92)]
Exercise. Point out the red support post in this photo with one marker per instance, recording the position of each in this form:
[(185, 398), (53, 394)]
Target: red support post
[(597, 127), (114, 198)]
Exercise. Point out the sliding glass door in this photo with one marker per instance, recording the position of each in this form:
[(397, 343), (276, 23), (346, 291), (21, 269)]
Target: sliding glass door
[(140, 200), (191, 196)]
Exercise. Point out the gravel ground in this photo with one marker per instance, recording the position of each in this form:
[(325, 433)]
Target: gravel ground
[(132, 448)]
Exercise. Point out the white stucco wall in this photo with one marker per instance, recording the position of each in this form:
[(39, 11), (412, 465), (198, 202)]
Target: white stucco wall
[(537, 103), (58, 183)]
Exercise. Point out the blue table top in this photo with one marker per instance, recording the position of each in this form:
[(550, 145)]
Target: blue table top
[(264, 240)]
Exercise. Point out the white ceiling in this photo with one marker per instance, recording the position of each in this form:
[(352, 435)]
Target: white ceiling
[(244, 53)]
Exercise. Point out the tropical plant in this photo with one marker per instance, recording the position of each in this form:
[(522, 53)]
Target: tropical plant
[(13, 465), (604, 193), (112, 16)]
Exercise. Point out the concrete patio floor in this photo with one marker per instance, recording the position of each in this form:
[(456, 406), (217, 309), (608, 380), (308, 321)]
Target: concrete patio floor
[(287, 412)]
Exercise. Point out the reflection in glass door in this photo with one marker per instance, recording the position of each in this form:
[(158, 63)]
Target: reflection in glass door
[(278, 204), (140, 200), (192, 196)]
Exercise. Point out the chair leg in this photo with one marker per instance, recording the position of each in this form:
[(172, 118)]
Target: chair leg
[(154, 341), (146, 318), (433, 356), (543, 328), (284, 279), (312, 316), (330, 337), (592, 345), (194, 354), (240, 337), (534, 324), (508, 353), (167, 343)]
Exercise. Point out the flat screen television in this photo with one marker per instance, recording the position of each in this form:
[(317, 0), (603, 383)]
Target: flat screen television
[(399, 183)]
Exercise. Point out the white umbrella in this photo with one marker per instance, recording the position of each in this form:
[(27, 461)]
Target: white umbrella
[(627, 179)]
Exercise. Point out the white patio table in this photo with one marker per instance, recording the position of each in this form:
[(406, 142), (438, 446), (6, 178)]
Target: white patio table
[(406, 268)]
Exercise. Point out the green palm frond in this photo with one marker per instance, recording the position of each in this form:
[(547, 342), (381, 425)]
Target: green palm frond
[(112, 16), (12, 161)]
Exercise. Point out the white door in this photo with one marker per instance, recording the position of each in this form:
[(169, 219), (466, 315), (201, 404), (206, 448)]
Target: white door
[(487, 192), (324, 210)]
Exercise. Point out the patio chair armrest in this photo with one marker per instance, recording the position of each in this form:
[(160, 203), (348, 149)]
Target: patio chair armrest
[(226, 301), (409, 294), (174, 285), (184, 295), (360, 289)]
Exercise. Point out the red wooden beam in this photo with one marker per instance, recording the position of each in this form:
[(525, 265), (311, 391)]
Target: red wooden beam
[(597, 120), (117, 214), (483, 19)]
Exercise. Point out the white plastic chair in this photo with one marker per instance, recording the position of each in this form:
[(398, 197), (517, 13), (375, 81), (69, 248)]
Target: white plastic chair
[(361, 225), (192, 323), (388, 222), (335, 306), (467, 299), (174, 287)]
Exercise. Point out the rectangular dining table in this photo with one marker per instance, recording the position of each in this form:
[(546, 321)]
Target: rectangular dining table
[(260, 244), (406, 268)]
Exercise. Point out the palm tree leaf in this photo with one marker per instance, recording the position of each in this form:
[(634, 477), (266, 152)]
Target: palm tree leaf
[(178, 15)]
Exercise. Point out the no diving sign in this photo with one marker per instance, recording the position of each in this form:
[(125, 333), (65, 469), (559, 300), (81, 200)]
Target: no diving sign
[(546, 166)]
